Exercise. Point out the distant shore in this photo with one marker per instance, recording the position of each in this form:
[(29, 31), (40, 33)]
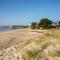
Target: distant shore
[(5, 29)]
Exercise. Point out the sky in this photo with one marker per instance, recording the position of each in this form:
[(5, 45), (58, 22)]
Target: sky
[(22, 12)]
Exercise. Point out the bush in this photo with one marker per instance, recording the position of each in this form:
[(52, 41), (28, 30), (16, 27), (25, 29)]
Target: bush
[(33, 25)]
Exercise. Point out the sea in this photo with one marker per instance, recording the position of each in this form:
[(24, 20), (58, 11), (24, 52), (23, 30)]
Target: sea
[(5, 29)]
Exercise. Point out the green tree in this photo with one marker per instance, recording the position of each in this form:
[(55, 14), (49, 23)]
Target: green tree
[(45, 23), (59, 22), (33, 25)]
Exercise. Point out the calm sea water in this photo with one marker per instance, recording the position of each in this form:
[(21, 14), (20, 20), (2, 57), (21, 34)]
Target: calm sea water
[(4, 29)]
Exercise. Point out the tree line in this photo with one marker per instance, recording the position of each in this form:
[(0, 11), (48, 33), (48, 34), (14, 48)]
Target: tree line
[(44, 23)]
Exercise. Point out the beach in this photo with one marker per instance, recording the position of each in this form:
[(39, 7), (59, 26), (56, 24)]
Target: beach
[(26, 44), (14, 37)]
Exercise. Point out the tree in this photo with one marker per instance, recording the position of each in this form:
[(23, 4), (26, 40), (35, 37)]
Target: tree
[(59, 22), (33, 25), (45, 23)]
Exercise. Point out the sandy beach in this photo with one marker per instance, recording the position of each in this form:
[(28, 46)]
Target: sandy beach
[(14, 37), (26, 44)]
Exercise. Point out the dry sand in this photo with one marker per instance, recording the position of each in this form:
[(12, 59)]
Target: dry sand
[(14, 37)]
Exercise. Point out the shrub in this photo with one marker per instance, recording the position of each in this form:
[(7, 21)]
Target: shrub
[(33, 25)]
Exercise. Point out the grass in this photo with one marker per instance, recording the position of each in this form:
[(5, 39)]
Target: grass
[(55, 53), (34, 52), (37, 45), (31, 54)]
